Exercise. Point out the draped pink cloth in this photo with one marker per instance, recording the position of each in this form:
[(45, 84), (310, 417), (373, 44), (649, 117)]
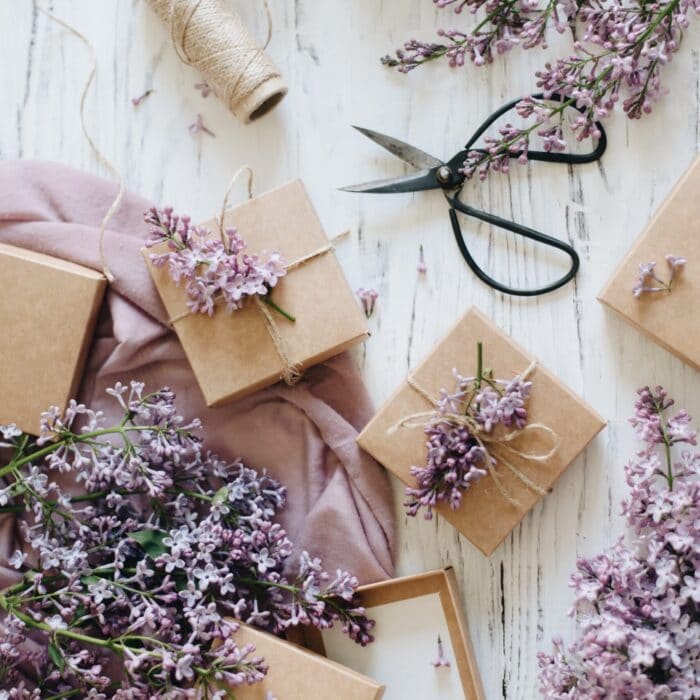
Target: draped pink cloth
[(339, 499)]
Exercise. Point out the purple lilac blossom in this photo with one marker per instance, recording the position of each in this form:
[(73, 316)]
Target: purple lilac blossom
[(456, 458), (204, 88), (440, 661), (368, 299), (649, 282), (638, 604), (168, 550), (199, 127), (421, 267), (208, 269), (136, 101), (618, 56)]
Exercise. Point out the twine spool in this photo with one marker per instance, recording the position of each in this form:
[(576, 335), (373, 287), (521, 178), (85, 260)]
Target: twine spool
[(210, 36)]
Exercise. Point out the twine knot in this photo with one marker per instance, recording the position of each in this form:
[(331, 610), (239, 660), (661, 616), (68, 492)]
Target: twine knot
[(496, 448)]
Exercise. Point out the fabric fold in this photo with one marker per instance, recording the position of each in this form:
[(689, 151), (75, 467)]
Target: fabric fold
[(339, 499)]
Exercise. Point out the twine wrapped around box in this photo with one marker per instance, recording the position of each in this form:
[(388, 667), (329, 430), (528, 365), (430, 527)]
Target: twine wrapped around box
[(291, 373), (491, 445)]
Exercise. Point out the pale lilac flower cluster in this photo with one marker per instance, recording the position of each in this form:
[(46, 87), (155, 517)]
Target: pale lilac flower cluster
[(649, 282), (208, 269), (440, 661), (621, 50), (639, 604), (169, 547), (456, 457)]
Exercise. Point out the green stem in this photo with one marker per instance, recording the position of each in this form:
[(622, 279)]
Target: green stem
[(667, 447), (70, 438), (479, 363), (266, 299)]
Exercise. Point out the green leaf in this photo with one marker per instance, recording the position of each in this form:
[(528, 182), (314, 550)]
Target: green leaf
[(151, 541), (56, 656), (89, 580)]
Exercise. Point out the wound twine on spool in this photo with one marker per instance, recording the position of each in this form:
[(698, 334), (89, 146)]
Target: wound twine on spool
[(291, 373), (101, 158), (496, 444), (210, 36)]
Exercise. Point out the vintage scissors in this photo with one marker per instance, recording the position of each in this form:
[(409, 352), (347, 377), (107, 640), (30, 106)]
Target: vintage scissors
[(433, 174)]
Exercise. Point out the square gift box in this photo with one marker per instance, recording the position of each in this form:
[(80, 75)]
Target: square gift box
[(233, 355), (47, 314), (299, 674), (670, 319), (485, 516), (411, 613)]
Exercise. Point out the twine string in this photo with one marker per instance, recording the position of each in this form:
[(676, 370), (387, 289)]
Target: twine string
[(101, 158), (206, 34), (496, 449), (291, 373)]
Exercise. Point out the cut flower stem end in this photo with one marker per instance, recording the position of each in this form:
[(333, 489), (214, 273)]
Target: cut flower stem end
[(279, 309)]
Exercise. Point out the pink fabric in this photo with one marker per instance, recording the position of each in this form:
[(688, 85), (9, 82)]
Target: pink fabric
[(339, 504)]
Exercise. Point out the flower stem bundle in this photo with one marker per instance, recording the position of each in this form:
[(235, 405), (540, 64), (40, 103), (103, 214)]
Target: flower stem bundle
[(619, 51), (639, 604), (153, 565)]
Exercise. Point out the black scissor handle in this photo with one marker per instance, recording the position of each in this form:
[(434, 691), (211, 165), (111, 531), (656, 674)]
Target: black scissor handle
[(545, 156), (544, 239)]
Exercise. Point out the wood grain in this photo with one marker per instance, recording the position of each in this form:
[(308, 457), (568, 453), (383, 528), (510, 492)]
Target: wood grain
[(328, 51)]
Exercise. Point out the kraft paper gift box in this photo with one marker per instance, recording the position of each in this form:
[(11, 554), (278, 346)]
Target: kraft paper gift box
[(670, 319), (411, 613), (486, 516), (47, 314), (299, 674), (233, 355)]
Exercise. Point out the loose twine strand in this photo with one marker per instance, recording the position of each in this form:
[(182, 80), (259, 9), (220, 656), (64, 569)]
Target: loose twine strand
[(492, 446), (101, 158), (206, 34), (291, 373)]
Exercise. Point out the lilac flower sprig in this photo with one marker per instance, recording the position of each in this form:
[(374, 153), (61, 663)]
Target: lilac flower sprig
[(155, 564), (639, 603), (649, 282), (209, 269), (456, 457), (621, 50), (368, 299)]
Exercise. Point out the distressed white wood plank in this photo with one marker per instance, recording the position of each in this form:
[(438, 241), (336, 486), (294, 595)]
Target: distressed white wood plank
[(517, 599)]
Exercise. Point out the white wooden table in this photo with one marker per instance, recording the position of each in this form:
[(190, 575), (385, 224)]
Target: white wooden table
[(329, 51)]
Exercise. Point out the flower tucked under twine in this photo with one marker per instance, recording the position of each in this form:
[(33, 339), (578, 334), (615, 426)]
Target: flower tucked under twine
[(463, 445), (218, 271)]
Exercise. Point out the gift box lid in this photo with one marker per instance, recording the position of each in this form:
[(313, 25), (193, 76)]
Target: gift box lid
[(47, 314), (411, 612), (671, 319), (233, 355), (485, 515), (296, 673)]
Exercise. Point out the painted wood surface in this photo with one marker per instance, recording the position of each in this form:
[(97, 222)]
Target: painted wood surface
[(328, 51)]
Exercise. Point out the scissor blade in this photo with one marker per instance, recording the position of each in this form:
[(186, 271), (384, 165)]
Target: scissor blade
[(423, 180), (409, 154)]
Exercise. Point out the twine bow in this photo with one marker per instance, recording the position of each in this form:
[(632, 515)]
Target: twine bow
[(496, 448), (291, 373)]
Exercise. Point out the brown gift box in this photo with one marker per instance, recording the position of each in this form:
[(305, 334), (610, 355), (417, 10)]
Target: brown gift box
[(485, 516), (233, 354), (669, 319), (47, 330), (413, 589), (299, 674)]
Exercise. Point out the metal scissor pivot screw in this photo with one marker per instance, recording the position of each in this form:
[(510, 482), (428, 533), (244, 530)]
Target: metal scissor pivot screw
[(444, 174)]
